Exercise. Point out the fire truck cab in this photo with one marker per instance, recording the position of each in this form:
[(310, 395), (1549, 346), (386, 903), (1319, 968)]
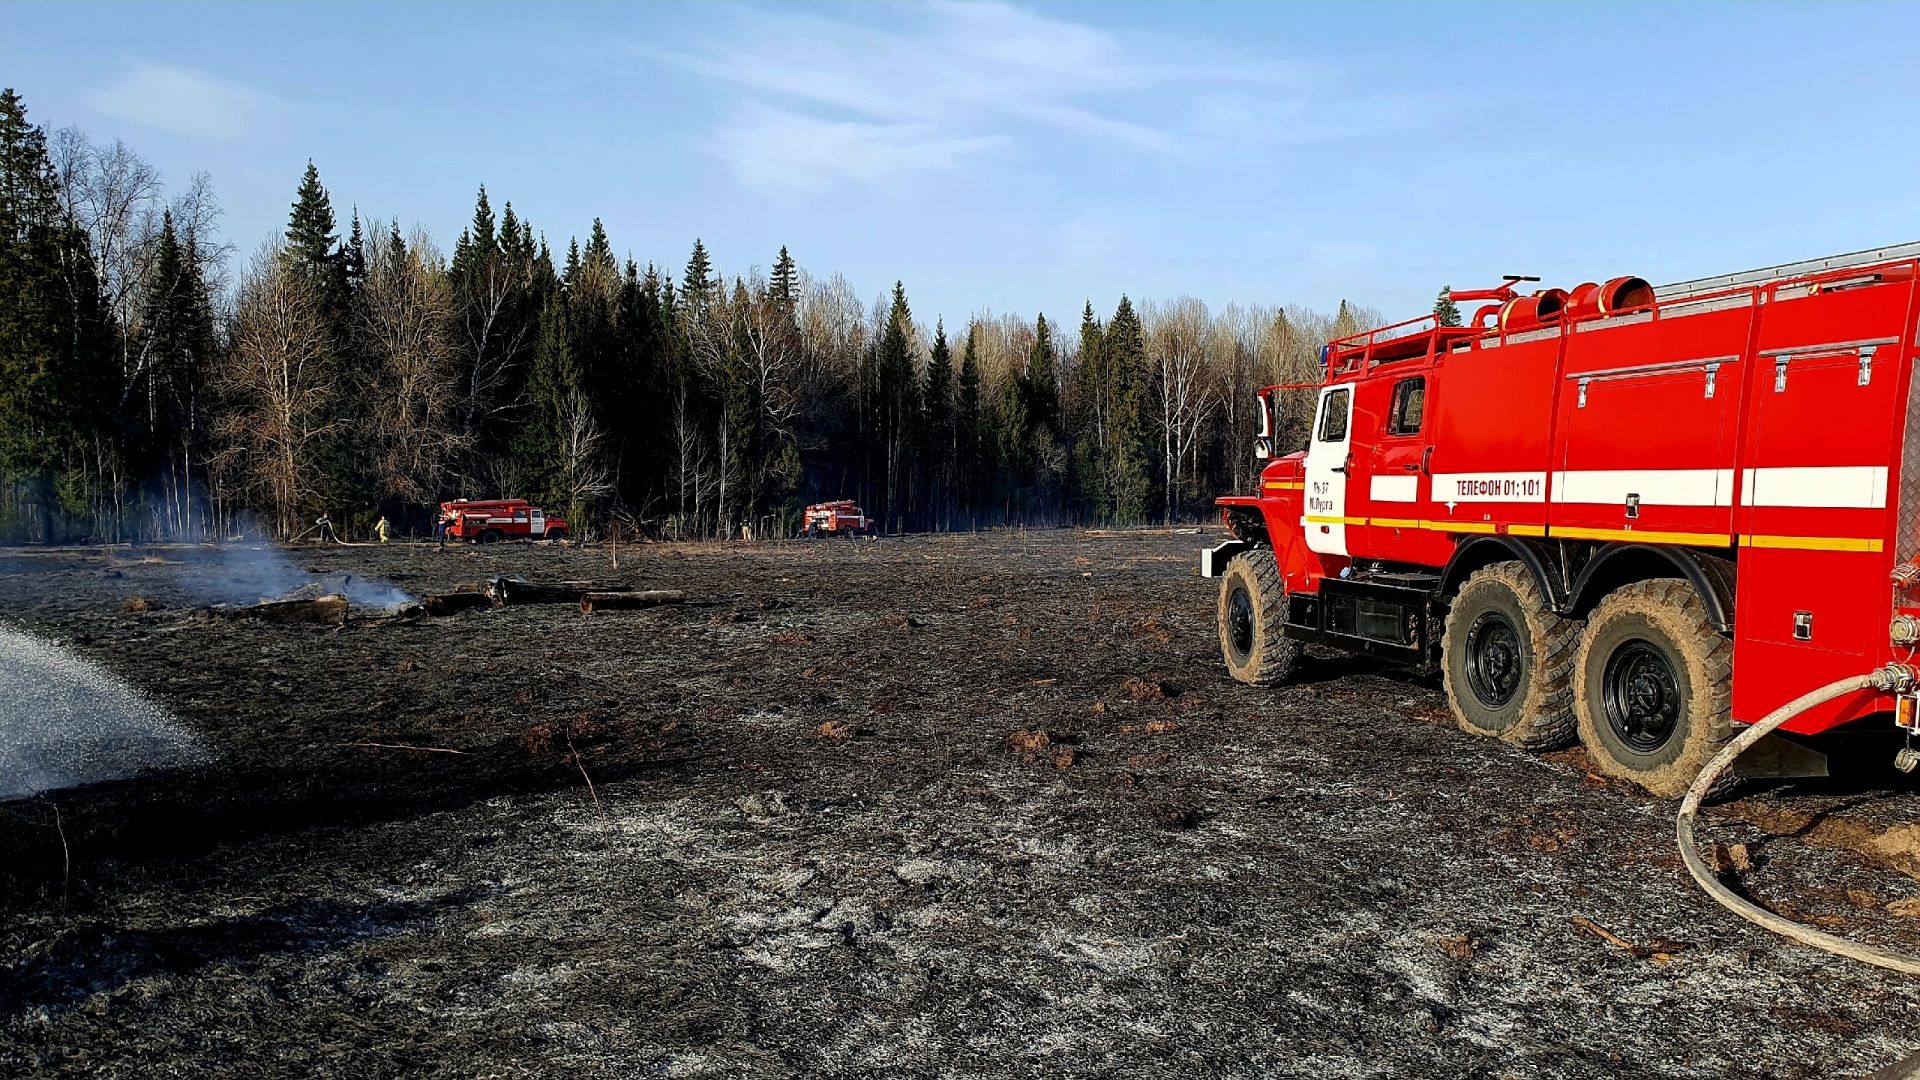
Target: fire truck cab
[(1633, 516), (488, 521)]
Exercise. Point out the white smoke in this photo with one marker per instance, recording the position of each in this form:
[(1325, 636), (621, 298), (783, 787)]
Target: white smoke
[(65, 721), (247, 573)]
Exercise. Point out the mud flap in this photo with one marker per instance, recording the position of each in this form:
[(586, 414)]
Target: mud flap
[(1213, 561), (1777, 758)]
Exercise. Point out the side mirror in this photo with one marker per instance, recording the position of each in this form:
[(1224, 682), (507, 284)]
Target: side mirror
[(1262, 448), (1266, 416)]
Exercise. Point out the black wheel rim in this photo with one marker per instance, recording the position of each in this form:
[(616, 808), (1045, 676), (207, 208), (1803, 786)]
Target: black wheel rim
[(1493, 659), (1642, 696), (1240, 622)]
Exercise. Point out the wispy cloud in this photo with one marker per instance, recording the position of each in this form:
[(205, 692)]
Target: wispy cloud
[(777, 150), (180, 100), (924, 88)]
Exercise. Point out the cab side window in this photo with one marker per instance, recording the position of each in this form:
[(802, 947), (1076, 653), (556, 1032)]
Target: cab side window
[(1409, 406), (1333, 417)]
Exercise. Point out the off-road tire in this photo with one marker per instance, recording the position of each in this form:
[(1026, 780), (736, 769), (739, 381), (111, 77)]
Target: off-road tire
[(1666, 614), (556, 534), (1521, 691), (490, 536), (1269, 656)]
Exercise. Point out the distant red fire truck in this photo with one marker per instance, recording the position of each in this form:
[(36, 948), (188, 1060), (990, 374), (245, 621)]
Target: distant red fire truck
[(489, 521), (1630, 516), (839, 518)]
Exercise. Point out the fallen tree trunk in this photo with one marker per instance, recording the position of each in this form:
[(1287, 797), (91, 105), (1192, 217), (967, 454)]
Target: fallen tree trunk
[(506, 590), (626, 601), (321, 609), (455, 602)]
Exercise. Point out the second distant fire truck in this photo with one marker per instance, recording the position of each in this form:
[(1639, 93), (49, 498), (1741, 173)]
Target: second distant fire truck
[(488, 521), (838, 518), (1633, 516)]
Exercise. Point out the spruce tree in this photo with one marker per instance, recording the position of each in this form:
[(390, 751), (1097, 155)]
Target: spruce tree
[(784, 285), (1445, 311), (540, 435), (967, 420), (1042, 381), (59, 382), (1092, 452), (1130, 472), (939, 459), (897, 393), (353, 256), (311, 241), (698, 286), (482, 231)]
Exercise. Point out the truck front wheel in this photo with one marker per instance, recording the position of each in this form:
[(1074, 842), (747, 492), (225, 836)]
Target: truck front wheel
[(1508, 660), (1253, 611), (1654, 686)]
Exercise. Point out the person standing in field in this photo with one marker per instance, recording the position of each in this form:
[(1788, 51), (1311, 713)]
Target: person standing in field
[(382, 529), (323, 527)]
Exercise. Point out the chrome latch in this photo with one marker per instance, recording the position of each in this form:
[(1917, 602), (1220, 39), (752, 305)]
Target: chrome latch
[(1779, 374), (1803, 626), (1633, 506), (1713, 370), (1866, 363), (1583, 394)]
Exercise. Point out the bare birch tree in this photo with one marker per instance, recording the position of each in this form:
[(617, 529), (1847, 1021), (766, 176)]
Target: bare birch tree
[(1179, 336), (407, 322), (279, 387)]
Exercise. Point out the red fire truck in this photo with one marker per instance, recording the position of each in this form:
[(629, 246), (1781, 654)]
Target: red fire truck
[(1632, 516), (838, 518), (489, 521)]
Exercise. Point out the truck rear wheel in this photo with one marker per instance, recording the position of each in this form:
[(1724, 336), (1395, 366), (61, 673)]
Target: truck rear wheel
[(1253, 613), (1654, 686), (1508, 660)]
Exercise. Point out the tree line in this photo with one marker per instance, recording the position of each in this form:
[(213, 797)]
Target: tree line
[(154, 386)]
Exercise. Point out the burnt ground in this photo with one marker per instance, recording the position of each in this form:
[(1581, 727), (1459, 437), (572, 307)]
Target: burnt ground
[(1190, 877)]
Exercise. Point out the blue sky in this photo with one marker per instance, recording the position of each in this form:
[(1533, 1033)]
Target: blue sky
[(1027, 157)]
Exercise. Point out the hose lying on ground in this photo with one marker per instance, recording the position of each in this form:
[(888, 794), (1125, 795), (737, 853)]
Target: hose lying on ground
[(1726, 897)]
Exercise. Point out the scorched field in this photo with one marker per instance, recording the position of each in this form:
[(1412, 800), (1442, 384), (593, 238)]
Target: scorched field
[(932, 806)]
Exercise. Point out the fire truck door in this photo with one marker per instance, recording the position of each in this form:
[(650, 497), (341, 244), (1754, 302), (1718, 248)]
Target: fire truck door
[(1328, 455), (538, 523)]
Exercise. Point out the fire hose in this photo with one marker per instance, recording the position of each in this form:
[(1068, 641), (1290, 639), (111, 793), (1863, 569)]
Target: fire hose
[(1892, 677)]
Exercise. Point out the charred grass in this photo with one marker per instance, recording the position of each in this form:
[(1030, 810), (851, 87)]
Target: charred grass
[(943, 806)]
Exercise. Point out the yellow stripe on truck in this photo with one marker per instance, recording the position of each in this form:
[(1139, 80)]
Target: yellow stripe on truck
[(1814, 543), (1644, 536)]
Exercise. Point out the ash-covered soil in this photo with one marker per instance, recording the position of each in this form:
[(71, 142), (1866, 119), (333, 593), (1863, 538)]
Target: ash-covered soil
[(389, 860)]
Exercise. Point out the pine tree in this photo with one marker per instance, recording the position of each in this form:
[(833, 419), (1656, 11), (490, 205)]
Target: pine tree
[(1445, 311)]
